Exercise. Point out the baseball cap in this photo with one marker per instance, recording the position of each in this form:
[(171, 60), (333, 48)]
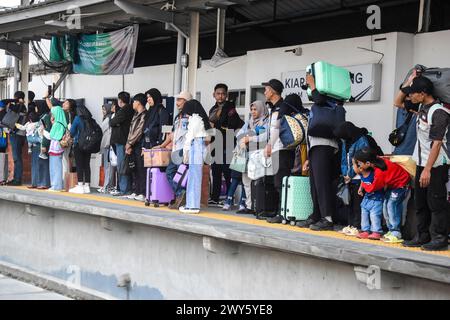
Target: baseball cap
[(275, 84), (184, 95), (420, 84)]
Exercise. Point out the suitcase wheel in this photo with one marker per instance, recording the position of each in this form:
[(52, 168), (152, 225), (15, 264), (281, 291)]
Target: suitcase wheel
[(284, 221), (147, 203), (293, 223), (156, 205)]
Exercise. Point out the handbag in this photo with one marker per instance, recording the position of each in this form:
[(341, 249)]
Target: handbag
[(323, 119), (239, 161), (112, 157), (181, 176), (10, 119), (344, 193), (128, 166), (259, 166), (67, 140), (293, 129), (398, 135)]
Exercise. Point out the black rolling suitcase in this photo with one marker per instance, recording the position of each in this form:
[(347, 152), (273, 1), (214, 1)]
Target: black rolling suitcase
[(265, 198)]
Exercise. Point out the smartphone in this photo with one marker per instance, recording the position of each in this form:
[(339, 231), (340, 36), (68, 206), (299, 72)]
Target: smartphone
[(49, 90)]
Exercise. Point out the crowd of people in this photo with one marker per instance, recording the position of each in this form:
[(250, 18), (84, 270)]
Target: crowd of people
[(58, 134)]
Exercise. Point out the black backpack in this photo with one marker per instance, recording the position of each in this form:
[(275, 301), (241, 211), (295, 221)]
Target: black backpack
[(90, 136)]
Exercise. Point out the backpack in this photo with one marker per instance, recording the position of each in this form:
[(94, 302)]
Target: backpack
[(440, 78), (3, 139), (323, 119), (90, 136)]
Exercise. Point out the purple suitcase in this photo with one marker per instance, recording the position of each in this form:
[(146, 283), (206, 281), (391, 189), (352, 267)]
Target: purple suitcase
[(158, 190), (181, 176)]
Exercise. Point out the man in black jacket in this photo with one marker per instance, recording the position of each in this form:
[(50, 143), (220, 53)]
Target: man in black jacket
[(223, 116), (120, 127)]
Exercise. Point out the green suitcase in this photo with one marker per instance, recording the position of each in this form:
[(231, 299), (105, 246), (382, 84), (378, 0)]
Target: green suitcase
[(296, 201), (331, 81)]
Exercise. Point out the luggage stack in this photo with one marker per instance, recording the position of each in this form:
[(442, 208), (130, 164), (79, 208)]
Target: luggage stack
[(158, 189)]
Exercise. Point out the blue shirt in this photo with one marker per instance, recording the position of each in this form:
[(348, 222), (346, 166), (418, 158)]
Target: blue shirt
[(75, 129), (346, 160), (376, 195)]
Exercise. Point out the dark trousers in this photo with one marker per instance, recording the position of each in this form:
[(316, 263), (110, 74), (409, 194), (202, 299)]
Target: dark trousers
[(217, 171), (83, 161), (322, 175), (354, 214), (140, 173), (284, 161), (17, 143), (431, 204)]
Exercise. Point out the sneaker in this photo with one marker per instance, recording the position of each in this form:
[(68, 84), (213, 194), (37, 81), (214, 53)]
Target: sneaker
[(390, 238), (53, 190), (417, 241), (14, 183), (140, 198), (189, 210), (87, 189), (78, 189), (226, 207), (116, 193), (322, 225), (43, 156), (435, 245), (277, 219), (101, 190), (351, 232), (363, 235), (345, 230), (131, 196), (265, 215), (374, 236), (306, 223)]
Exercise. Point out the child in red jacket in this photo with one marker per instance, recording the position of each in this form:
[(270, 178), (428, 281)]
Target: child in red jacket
[(395, 181)]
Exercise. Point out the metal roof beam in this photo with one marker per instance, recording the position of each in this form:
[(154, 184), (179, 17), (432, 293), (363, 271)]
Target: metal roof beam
[(46, 9), (12, 48)]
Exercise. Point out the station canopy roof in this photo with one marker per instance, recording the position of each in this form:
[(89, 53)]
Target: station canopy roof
[(47, 18)]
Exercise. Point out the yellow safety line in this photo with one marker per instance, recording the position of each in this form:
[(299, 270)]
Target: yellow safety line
[(244, 220)]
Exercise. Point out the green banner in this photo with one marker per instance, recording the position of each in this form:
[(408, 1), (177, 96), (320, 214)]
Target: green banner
[(109, 53)]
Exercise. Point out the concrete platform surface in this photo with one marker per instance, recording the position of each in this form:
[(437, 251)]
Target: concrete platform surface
[(11, 289), (246, 229)]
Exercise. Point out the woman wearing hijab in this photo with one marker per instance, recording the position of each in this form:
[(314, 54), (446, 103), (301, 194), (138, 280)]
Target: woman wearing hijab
[(44, 166), (105, 147), (193, 153), (249, 136), (353, 139), (82, 159), (59, 126), (156, 117)]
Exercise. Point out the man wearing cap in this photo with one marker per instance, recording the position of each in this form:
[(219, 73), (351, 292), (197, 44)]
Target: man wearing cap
[(282, 159), (177, 138), (432, 160)]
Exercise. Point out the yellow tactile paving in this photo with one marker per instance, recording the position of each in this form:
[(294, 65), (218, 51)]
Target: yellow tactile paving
[(245, 220)]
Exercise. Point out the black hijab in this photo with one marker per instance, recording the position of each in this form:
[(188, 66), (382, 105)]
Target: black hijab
[(156, 96), (349, 132), (194, 107)]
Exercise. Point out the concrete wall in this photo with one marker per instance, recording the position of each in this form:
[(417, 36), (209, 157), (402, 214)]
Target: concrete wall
[(168, 264)]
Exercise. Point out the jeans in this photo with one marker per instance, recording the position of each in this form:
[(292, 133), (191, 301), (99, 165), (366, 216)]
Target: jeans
[(393, 210), (35, 151), (371, 213), (56, 172), (194, 184), (124, 186), (17, 143), (44, 173), (231, 191), (171, 170)]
